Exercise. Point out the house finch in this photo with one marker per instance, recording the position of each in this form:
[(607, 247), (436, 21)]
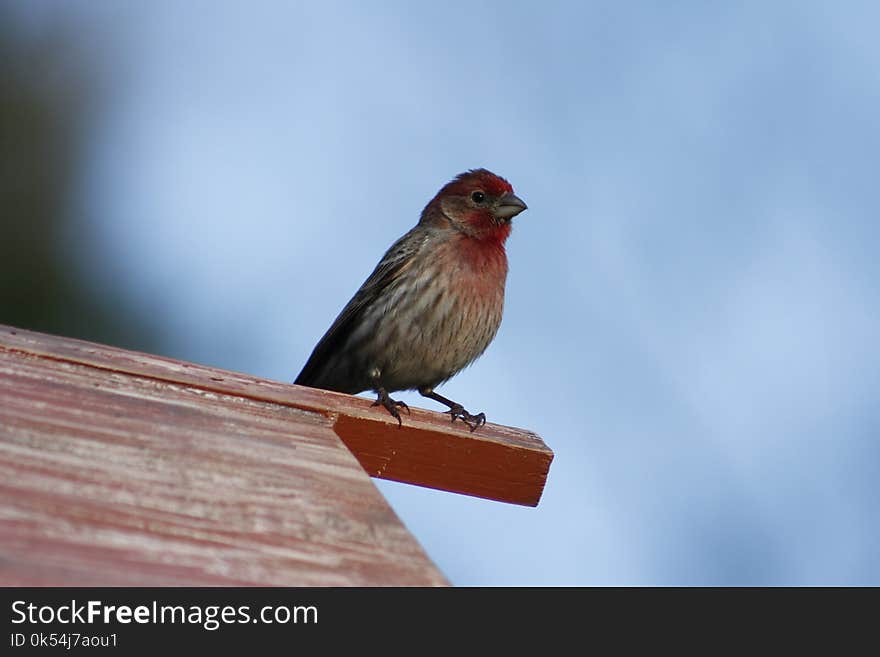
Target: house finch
[(431, 306)]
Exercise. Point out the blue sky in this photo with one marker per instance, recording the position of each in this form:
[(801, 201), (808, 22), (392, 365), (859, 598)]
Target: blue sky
[(692, 307)]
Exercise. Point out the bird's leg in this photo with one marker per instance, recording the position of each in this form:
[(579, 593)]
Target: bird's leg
[(456, 410), (390, 405)]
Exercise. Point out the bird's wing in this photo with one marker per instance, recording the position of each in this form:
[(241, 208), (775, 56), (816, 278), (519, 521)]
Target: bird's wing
[(397, 259)]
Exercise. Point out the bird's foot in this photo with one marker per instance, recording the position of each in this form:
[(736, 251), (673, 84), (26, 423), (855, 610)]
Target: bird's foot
[(391, 406), (457, 411)]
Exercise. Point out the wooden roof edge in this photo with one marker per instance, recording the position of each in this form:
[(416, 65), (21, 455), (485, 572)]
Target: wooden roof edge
[(494, 462)]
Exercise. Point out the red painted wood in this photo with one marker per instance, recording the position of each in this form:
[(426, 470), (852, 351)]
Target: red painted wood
[(109, 477), (494, 462)]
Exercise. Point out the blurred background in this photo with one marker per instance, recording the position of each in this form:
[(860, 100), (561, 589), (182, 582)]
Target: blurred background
[(692, 309)]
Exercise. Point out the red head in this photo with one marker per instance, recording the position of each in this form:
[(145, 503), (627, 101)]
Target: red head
[(477, 203)]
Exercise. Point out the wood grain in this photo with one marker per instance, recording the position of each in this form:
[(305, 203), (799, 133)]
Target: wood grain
[(110, 477), (495, 462)]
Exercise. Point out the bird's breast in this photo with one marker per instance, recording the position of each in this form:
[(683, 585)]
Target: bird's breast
[(442, 319)]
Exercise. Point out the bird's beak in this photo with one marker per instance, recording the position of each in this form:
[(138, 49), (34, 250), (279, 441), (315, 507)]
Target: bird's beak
[(509, 206)]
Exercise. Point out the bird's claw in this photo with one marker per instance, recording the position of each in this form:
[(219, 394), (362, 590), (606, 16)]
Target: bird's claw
[(473, 421), (391, 405)]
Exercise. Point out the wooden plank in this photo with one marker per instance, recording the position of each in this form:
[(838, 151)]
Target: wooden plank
[(108, 478), (494, 466), (495, 462)]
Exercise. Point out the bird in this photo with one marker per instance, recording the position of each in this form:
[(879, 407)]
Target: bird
[(431, 306)]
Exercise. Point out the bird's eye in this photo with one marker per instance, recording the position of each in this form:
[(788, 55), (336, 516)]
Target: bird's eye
[(478, 197)]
